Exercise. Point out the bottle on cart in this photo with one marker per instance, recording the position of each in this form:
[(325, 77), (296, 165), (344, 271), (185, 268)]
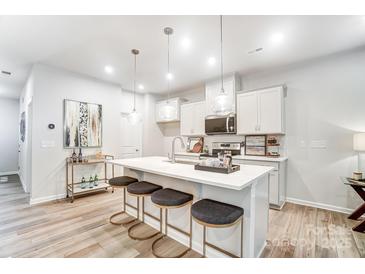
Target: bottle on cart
[(83, 183), (80, 156), (74, 156), (96, 180), (91, 182)]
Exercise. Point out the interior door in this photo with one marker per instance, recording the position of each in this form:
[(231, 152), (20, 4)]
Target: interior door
[(131, 138)]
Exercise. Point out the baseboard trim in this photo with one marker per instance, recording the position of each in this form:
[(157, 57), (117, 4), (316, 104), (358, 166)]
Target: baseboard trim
[(41, 200), (6, 173), (320, 205)]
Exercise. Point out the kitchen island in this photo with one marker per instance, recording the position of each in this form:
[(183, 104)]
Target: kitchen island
[(247, 188)]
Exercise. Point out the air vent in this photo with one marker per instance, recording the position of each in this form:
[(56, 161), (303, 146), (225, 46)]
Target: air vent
[(255, 50), (6, 72)]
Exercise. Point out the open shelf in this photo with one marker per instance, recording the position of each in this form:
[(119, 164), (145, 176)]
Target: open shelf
[(79, 190)]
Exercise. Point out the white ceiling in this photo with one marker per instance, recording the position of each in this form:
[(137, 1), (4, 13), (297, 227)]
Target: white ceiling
[(85, 44)]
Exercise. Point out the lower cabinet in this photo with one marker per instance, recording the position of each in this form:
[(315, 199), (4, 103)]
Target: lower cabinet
[(277, 181)]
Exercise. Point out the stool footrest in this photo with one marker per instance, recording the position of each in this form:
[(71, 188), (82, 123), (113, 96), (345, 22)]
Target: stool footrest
[(138, 237), (160, 256), (120, 223), (221, 250)]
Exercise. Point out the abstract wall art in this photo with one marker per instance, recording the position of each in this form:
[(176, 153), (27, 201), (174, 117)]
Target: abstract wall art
[(82, 124), (22, 126)]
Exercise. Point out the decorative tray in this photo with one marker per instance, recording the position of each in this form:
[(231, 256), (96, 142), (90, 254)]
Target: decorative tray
[(223, 170)]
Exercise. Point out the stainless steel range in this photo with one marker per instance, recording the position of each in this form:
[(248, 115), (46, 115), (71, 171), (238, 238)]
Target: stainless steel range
[(233, 147)]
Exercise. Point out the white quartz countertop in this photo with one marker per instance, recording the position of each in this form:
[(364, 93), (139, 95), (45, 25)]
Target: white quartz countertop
[(160, 166), (260, 158), (239, 157)]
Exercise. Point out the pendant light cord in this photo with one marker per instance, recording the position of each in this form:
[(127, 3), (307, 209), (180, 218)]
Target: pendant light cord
[(134, 82), (221, 25), (168, 67)]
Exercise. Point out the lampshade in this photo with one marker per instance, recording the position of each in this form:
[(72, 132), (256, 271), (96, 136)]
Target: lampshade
[(359, 141), (134, 117), (222, 104), (167, 112)]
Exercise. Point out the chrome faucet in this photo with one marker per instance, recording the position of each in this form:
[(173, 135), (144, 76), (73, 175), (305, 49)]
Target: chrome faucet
[(172, 159)]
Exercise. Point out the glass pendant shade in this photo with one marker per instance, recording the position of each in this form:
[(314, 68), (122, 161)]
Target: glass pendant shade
[(222, 104), (167, 112), (134, 117)]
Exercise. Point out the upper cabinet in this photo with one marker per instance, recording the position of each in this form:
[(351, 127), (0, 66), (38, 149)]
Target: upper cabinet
[(173, 114), (212, 89), (261, 112), (192, 119)]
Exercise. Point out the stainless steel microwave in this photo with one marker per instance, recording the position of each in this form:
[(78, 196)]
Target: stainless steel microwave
[(226, 124)]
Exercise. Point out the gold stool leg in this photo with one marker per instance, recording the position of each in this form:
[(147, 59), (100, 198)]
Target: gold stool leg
[(204, 239), (140, 238), (164, 235), (121, 212)]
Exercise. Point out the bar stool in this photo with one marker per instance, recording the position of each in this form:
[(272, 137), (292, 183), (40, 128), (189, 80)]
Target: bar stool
[(121, 182), (142, 189), (169, 199), (210, 213)]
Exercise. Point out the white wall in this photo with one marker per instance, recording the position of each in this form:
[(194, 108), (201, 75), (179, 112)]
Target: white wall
[(325, 102), (51, 87), (25, 148), (9, 135)]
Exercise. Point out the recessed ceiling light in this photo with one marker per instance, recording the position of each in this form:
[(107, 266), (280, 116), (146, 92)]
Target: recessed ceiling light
[(186, 43), (169, 76), (109, 69), (141, 87), (277, 37), (212, 61)]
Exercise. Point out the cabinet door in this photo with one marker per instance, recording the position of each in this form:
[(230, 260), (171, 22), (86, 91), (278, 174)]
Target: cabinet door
[(199, 118), (274, 188), (270, 110), (247, 113), (187, 119)]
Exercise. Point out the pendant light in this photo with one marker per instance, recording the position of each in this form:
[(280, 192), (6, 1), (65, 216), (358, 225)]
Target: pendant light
[(168, 111), (134, 117), (222, 103)]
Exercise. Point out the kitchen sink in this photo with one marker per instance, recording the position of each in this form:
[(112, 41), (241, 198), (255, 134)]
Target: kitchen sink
[(185, 162)]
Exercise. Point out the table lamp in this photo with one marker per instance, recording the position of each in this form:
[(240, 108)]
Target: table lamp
[(359, 146)]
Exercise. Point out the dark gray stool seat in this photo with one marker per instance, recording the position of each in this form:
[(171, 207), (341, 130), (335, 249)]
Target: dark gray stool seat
[(122, 181), (170, 197), (142, 188), (216, 213)]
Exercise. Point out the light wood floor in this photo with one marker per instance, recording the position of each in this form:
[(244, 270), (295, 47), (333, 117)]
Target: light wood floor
[(81, 229)]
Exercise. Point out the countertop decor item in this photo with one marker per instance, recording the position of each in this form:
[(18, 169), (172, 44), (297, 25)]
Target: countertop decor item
[(134, 117), (82, 124), (94, 184), (255, 145), (195, 144)]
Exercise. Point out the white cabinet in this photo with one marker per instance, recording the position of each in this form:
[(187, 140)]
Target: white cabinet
[(212, 89), (173, 110), (277, 180), (193, 119), (261, 112)]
